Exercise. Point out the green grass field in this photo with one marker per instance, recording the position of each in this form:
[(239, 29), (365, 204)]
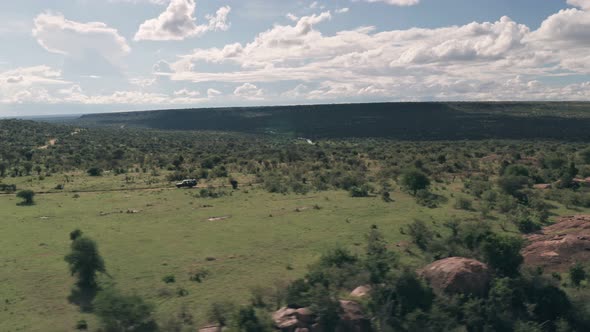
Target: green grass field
[(170, 234)]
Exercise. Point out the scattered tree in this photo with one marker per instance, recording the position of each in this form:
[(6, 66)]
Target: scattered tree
[(85, 261), (27, 197), (414, 180)]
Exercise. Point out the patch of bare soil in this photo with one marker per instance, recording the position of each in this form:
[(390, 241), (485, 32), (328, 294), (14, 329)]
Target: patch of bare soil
[(51, 142), (559, 246)]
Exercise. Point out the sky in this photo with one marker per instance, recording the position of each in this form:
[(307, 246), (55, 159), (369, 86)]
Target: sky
[(87, 56)]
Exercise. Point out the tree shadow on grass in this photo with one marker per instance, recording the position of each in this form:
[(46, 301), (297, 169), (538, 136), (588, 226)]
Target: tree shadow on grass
[(83, 297)]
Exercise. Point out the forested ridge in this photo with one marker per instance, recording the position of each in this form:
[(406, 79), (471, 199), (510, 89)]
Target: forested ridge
[(407, 121)]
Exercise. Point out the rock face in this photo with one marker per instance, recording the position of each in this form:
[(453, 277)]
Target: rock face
[(557, 247), (352, 319), (457, 275)]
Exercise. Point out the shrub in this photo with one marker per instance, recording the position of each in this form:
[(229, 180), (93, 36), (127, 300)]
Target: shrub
[(119, 312), (199, 275), (94, 171), (81, 325), (577, 274), (27, 197), (220, 312), (169, 279), (8, 188), (421, 235), (362, 191), (426, 198), (503, 253), (463, 203)]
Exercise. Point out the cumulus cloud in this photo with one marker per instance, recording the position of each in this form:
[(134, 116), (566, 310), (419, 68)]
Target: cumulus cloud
[(462, 60), (28, 83), (249, 91), (177, 23), (584, 4), (75, 39)]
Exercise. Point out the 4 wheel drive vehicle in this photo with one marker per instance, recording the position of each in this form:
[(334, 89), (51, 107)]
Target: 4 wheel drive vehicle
[(188, 183)]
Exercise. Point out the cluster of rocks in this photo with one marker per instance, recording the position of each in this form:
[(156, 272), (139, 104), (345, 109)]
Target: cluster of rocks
[(555, 248), (352, 318)]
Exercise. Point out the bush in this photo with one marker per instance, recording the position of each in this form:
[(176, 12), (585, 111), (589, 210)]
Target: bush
[(577, 274), (119, 312), (94, 171), (199, 276), (27, 197), (463, 203), (81, 325), (220, 312), (421, 235), (362, 191), (8, 188), (169, 279), (503, 253), (428, 199)]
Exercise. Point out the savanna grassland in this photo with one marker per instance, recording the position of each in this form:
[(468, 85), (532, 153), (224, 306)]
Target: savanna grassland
[(295, 202)]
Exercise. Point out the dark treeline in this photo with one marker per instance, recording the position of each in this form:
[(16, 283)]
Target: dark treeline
[(406, 121)]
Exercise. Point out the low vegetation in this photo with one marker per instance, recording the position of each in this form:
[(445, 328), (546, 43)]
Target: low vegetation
[(277, 221)]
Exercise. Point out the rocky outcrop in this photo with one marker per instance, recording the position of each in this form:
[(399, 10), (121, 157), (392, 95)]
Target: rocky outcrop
[(210, 328), (285, 319), (557, 247), (457, 275), (352, 319), (361, 291)]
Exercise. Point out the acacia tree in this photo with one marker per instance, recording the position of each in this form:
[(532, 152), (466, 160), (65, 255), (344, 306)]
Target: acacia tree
[(414, 180), (85, 261)]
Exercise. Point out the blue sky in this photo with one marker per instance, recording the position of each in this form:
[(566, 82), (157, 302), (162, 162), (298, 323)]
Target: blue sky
[(78, 56)]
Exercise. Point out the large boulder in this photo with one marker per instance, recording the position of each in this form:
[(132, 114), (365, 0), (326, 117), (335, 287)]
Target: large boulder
[(557, 247), (285, 319), (457, 275)]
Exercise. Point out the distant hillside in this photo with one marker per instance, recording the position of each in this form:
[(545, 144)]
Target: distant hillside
[(408, 121)]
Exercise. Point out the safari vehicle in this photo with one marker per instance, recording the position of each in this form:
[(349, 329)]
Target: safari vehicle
[(188, 183)]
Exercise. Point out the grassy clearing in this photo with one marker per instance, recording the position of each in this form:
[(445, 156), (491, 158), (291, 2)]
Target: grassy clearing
[(262, 234)]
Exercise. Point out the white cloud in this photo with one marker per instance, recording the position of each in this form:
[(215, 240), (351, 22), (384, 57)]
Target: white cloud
[(177, 23), (397, 2), (584, 4), (155, 2), (142, 81), (58, 35), (342, 10), (212, 93), (249, 91), (186, 93)]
